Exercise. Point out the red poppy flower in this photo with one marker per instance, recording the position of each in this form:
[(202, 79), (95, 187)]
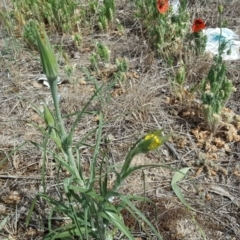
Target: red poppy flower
[(162, 6), (198, 25)]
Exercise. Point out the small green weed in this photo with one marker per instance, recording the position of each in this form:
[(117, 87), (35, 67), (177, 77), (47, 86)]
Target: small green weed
[(57, 15), (106, 14), (122, 68), (164, 29), (178, 83), (216, 88), (101, 55)]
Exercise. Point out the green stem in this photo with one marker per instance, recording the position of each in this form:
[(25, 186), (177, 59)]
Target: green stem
[(219, 41), (125, 169), (67, 149), (53, 88)]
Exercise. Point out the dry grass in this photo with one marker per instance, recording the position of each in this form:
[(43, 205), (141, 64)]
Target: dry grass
[(137, 106)]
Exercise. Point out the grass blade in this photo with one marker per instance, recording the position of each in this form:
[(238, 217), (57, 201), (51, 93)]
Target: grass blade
[(117, 221), (178, 176)]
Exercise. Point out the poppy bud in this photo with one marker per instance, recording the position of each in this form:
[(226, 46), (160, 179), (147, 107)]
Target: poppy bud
[(220, 9)]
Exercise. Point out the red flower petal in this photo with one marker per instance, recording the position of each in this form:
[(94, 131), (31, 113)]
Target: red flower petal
[(162, 6), (198, 25)]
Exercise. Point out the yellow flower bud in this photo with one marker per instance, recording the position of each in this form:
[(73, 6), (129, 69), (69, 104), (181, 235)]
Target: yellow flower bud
[(155, 141), (151, 141)]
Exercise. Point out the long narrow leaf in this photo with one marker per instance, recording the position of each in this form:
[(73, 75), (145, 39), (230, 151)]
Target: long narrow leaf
[(133, 169), (86, 216), (3, 222), (12, 152), (178, 176), (31, 210), (116, 220), (96, 152), (139, 214), (65, 233), (79, 116)]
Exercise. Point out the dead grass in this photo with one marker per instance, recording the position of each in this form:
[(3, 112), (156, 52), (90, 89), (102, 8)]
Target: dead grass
[(137, 106)]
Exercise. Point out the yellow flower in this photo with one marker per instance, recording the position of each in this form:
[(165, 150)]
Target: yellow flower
[(155, 140), (151, 141)]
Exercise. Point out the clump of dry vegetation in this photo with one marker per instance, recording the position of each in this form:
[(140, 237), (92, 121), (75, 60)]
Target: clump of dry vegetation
[(126, 68)]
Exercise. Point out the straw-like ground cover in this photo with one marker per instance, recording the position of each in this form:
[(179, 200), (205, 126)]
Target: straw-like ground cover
[(141, 99)]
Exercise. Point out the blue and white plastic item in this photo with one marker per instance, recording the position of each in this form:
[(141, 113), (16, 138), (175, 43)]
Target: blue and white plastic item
[(229, 37)]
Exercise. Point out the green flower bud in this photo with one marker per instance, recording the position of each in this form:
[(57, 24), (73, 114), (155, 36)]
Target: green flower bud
[(220, 9), (48, 118), (49, 62), (229, 51)]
